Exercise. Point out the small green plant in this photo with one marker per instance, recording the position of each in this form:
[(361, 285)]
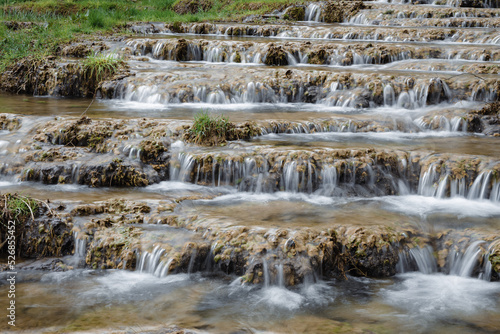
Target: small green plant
[(15, 206), (97, 67), (210, 130)]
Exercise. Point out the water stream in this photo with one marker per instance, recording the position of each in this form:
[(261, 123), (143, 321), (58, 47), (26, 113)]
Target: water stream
[(366, 125)]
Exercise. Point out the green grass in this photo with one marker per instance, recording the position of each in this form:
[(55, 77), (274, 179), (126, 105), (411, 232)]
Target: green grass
[(15, 206), (209, 130), (97, 67), (64, 20)]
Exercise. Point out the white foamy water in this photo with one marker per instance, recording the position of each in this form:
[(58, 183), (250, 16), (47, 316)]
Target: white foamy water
[(177, 186), (424, 205), (281, 298), (438, 296), (268, 197), (380, 136), (6, 184)]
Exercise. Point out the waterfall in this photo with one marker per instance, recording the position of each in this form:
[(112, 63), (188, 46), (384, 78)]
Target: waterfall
[(463, 264), (80, 251), (291, 177), (431, 183), (480, 186), (426, 183), (75, 174), (389, 96), (421, 257), (281, 275), (265, 268), (313, 12), (181, 168), (149, 262)]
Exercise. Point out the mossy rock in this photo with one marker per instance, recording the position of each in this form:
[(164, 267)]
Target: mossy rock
[(295, 13), (276, 56)]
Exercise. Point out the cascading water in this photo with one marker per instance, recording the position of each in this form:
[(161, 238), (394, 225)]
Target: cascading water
[(313, 12), (466, 262)]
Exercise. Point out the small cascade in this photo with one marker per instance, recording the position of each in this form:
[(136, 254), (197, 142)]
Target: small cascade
[(463, 264), (281, 275), (149, 262), (427, 181), (471, 262), (75, 173), (313, 12), (417, 258), (480, 186), (441, 185), (181, 167), (389, 96), (267, 279), (132, 152), (360, 19), (80, 251), (191, 261), (329, 181)]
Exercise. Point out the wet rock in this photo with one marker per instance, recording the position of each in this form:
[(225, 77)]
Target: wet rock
[(112, 245), (48, 77), (486, 120), (82, 132), (276, 56), (81, 49), (370, 253), (103, 172), (46, 264), (215, 135), (317, 57), (295, 13), (47, 236), (9, 122), (340, 11), (40, 231), (474, 3)]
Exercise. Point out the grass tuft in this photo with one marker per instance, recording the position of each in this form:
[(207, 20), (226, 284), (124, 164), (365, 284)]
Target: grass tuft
[(98, 67), (210, 130)]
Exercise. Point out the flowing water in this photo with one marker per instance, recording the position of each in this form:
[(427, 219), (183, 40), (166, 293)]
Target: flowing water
[(365, 124)]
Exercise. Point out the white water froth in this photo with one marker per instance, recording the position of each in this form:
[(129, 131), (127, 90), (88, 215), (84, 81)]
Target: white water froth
[(269, 197), (382, 136), (167, 186), (422, 206), (437, 295), (6, 184)]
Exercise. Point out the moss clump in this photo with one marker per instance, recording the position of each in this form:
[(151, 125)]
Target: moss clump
[(276, 56), (317, 57), (340, 11), (490, 109), (296, 13)]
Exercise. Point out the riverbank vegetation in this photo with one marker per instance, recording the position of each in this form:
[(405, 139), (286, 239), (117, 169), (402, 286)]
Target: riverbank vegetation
[(38, 28)]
